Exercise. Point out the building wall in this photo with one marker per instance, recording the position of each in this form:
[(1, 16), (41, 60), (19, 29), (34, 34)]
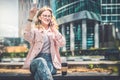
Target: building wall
[(110, 12), (79, 22)]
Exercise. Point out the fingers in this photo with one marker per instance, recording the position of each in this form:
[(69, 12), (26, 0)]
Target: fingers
[(34, 10)]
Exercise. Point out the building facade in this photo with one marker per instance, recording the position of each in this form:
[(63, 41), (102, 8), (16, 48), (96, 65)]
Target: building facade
[(110, 15), (110, 12), (79, 22)]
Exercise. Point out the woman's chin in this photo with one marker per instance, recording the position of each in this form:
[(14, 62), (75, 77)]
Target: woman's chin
[(46, 23)]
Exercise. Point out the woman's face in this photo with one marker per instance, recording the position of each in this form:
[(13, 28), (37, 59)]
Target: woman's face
[(45, 17)]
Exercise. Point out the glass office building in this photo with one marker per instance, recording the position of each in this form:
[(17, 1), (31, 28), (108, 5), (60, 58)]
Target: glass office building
[(79, 22), (110, 12)]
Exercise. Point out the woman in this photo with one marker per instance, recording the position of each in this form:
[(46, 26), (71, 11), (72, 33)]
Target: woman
[(43, 58)]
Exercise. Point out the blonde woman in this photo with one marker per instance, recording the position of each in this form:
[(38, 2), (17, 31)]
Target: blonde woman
[(43, 58)]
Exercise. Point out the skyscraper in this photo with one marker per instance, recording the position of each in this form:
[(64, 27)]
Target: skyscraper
[(110, 12), (79, 22)]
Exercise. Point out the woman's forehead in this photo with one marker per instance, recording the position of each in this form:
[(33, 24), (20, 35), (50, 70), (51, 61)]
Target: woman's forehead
[(46, 12)]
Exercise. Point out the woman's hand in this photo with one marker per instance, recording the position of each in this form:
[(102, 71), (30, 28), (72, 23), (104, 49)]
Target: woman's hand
[(32, 13)]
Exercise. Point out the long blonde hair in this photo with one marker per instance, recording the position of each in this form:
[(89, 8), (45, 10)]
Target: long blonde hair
[(53, 20)]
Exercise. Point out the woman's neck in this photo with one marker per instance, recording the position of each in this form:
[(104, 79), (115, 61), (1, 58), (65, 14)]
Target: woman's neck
[(45, 26)]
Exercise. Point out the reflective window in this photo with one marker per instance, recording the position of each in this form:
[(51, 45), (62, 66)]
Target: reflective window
[(113, 1), (65, 8), (67, 36), (108, 1), (78, 35), (114, 17), (118, 1), (104, 1), (103, 17), (109, 17), (118, 9), (90, 34), (109, 11)]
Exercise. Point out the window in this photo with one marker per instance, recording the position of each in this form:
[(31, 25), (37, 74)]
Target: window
[(113, 11), (118, 1), (67, 36), (108, 1), (90, 34), (114, 17), (113, 1), (104, 1), (118, 11), (104, 10), (78, 35), (108, 11), (103, 17)]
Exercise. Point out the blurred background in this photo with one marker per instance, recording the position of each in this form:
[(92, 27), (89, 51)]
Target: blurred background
[(91, 29), (88, 25)]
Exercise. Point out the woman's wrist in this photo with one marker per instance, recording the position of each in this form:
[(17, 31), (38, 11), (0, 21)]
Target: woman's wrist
[(30, 20)]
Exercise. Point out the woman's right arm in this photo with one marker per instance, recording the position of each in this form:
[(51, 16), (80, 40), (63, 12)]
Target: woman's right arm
[(29, 31)]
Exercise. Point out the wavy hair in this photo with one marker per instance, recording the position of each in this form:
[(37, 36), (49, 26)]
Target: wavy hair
[(53, 20)]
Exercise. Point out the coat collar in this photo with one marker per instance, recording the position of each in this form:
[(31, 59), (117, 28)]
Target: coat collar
[(43, 29)]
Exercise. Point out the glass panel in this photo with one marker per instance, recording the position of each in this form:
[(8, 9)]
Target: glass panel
[(118, 1), (118, 17), (90, 34), (118, 11), (109, 17), (71, 10), (114, 17), (103, 17), (109, 11), (104, 9), (77, 7), (104, 1), (82, 5), (67, 36), (113, 1), (118, 24), (113, 11), (108, 1), (78, 36)]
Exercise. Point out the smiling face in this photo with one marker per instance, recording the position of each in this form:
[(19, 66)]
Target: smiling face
[(45, 17)]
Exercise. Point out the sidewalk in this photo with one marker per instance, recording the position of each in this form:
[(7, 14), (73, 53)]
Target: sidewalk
[(69, 76), (74, 73)]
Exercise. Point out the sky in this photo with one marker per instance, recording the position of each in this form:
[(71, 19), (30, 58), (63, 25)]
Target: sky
[(8, 18)]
